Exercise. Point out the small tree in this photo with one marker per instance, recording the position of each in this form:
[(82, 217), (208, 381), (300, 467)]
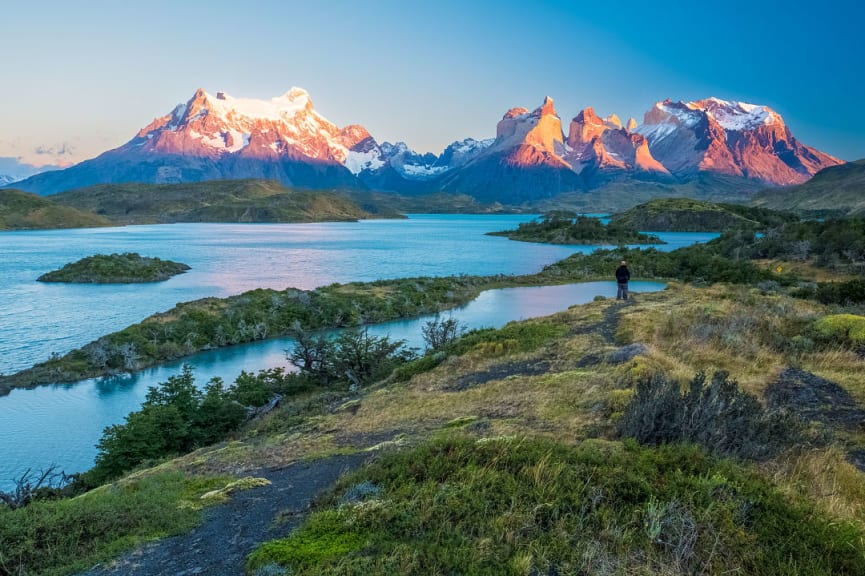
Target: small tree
[(363, 359), (31, 485), (311, 355), (438, 332), (217, 415), (354, 356)]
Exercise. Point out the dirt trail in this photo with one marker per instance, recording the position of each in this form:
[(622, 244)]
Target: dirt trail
[(219, 546)]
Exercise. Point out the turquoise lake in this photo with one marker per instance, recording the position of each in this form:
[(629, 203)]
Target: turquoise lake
[(60, 424)]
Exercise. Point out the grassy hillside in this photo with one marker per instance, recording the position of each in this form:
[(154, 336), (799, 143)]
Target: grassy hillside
[(23, 210), (213, 201), (834, 191), (686, 215), (435, 203), (618, 196)]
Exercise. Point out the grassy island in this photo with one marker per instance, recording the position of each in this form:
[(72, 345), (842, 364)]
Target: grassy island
[(563, 227), (126, 268)]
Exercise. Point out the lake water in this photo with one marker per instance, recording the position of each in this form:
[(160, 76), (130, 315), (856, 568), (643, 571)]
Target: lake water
[(60, 424)]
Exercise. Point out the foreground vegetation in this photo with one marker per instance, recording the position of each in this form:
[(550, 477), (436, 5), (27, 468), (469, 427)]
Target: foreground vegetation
[(126, 268), (508, 505), (64, 536), (562, 227), (714, 427), (532, 471)]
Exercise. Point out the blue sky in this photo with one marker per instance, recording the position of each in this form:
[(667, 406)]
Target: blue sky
[(83, 77)]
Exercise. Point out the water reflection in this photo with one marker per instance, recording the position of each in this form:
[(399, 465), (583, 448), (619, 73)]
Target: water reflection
[(61, 424)]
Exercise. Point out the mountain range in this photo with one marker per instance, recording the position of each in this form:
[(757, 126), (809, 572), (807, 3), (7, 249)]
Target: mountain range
[(529, 159)]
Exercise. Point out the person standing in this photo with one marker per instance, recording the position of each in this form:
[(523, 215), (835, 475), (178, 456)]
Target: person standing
[(622, 277)]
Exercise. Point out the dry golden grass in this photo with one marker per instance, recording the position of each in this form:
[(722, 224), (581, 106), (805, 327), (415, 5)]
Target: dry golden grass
[(823, 476)]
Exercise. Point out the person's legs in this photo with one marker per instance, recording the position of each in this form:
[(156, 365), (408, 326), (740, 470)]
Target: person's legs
[(621, 293), (625, 291)]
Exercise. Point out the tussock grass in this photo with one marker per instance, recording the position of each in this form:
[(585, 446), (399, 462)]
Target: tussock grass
[(824, 477)]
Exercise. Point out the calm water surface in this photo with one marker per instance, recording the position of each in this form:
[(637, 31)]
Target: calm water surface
[(60, 424)]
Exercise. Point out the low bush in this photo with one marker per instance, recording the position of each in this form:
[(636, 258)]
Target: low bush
[(513, 337), (842, 293), (716, 415), (846, 329)]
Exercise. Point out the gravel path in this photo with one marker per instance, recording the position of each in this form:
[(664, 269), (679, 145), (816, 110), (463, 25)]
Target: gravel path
[(219, 546)]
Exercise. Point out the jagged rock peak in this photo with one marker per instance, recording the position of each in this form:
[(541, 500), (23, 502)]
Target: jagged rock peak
[(514, 112), (547, 108), (587, 116), (631, 125)]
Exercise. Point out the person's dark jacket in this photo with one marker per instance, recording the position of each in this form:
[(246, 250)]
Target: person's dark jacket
[(623, 274)]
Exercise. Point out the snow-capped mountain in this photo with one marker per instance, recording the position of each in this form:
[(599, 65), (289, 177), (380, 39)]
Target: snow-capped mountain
[(732, 138), (286, 139), (220, 137), (7, 179)]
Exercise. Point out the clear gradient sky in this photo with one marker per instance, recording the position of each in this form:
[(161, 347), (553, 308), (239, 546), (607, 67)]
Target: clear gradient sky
[(81, 77)]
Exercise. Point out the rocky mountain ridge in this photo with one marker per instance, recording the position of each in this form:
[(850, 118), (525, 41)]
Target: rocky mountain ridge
[(531, 157)]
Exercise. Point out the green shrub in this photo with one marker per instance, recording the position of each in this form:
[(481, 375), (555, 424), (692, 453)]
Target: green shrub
[(175, 418), (513, 337), (844, 293), (420, 365), (716, 415), (847, 329)]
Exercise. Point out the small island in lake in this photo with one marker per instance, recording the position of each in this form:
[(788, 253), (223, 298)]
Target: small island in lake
[(564, 227), (126, 268)]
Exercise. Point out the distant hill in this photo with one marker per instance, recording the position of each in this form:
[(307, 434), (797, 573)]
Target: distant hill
[(834, 191), (23, 210), (687, 215), (212, 201), (623, 194)]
